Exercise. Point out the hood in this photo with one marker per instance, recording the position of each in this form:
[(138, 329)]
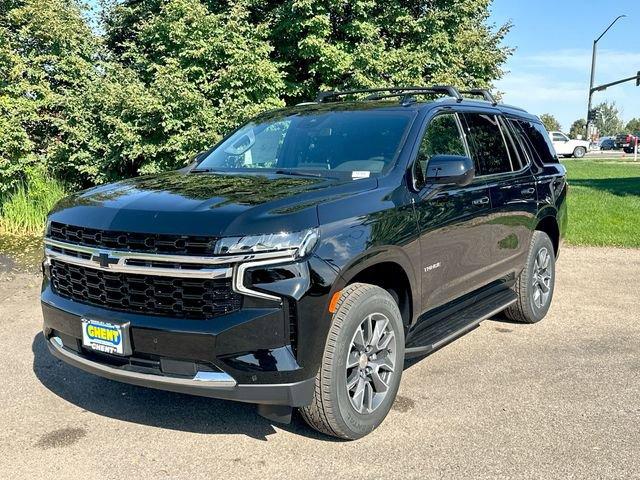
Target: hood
[(206, 203)]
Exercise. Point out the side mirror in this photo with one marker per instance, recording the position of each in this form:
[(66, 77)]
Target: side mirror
[(450, 169)]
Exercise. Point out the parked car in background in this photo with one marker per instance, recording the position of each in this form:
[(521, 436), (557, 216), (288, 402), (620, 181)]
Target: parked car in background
[(607, 144), (626, 142), (568, 147)]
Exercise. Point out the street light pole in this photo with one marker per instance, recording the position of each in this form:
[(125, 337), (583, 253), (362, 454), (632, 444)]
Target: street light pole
[(593, 70)]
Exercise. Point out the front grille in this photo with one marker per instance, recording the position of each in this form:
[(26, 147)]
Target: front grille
[(147, 294), (134, 242)]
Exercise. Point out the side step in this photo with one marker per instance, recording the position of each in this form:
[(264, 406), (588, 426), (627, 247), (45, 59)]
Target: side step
[(458, 323)]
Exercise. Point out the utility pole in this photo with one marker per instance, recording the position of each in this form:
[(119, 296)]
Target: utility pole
[(593, 73)]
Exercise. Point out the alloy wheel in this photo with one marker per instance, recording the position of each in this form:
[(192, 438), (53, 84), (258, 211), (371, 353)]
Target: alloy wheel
[(542, 278), (371, 363)]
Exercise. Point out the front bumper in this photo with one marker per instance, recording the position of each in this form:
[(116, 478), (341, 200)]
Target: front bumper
[(250, 355), (183, 361), (203, 383)]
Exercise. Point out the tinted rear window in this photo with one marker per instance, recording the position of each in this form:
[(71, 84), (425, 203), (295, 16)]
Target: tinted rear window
[(539, 140), (487, 144)]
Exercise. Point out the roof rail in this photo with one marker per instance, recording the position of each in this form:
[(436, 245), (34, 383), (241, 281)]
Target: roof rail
[(404, 92), (482, 92)]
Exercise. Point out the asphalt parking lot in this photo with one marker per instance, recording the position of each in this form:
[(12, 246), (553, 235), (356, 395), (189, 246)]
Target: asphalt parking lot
[(560, 399)]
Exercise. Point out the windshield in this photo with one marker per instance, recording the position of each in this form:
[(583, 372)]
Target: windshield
[(357, 144)]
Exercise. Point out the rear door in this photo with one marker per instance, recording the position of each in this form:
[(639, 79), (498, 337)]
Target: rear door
[(507, 172), (455, 239)]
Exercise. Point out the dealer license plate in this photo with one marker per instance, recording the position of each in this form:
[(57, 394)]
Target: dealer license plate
[(105, 337)]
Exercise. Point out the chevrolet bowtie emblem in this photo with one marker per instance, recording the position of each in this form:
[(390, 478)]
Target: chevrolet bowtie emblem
[(104, 259)]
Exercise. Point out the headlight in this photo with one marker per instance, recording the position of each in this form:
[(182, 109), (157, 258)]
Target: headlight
[(302, 242)]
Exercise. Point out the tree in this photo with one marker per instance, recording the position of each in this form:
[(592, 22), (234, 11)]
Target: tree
[(633, 126), (328, 44), (578, 128), (550, 122), (46, 54), (161, 80), (608, 121)]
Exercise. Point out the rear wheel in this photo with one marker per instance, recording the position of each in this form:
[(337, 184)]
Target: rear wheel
[(361, 365), (535, 284), (579, 152)]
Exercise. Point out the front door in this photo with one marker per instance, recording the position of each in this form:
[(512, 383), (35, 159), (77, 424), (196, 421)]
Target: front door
[(455, 238), (561, 143)]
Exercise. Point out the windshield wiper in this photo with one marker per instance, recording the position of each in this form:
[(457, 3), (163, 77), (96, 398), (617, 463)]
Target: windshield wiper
[(298, 173)]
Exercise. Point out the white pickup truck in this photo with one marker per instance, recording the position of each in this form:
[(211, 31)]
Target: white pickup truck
[(567, 147)]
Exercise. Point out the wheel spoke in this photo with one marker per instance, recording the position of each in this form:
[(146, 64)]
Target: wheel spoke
[(359, 340), (378, 332), (353, 359), (536, 296), (352, 381), (545, 283), (384, 361), (386, 340), (358, 396), (547, 261), (368, 330), (368, 396), (379, 384)]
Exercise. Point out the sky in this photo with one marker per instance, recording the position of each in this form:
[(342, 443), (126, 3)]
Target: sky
[(549, 70)]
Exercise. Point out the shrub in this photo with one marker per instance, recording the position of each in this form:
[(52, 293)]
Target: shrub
[(24, 211)]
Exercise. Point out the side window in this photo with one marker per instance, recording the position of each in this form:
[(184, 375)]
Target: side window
[(488, 144), (519, 141), (442, 137), (516, 154), (558, 137), (539, 141)]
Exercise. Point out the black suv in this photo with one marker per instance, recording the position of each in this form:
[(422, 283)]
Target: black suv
[(300, 261)]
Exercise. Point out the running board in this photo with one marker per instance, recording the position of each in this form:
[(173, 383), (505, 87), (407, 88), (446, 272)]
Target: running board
[(458, 323)]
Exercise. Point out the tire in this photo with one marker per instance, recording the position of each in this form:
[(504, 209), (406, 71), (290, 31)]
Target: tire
[(334, 409), (533, 291), (579, 152)]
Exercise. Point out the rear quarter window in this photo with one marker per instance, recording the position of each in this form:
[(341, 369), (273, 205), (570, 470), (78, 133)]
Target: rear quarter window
[(539, 140)]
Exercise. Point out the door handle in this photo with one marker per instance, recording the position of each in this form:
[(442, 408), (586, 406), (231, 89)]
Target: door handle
[(528, 191), (481, 201)]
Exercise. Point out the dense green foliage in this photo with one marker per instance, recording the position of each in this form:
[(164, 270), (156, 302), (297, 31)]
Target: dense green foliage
[(578, 128), (633, 126), (550, 122), (604, 203), (161, 80), (608, 121)]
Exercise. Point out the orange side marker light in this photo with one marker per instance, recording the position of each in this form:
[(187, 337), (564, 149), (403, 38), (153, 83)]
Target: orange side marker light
[(334, 301)]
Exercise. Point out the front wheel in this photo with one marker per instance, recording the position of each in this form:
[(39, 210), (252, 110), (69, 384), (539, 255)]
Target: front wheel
[(534, 287), (361, 365), (579, 152)]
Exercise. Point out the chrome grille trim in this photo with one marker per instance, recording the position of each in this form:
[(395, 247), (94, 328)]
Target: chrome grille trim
[(162, 257), (121, 265)]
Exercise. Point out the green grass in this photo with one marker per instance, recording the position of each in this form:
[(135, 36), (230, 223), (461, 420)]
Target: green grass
[(24, 211), (604, 202)]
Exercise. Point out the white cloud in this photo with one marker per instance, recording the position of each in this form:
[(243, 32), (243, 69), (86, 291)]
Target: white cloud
[(557, 82)]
